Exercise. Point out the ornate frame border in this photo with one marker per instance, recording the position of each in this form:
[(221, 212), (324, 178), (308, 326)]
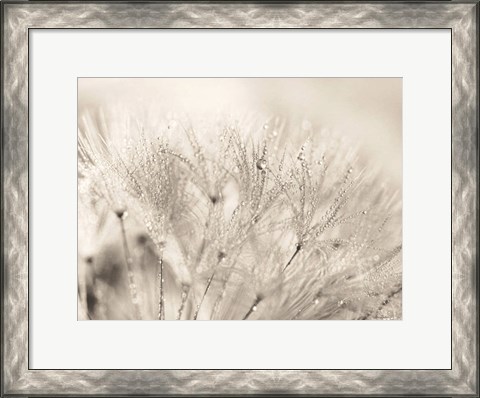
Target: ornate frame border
[(462, 18)]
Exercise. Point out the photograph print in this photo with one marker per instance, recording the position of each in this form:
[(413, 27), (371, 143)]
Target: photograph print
[(239, 198)]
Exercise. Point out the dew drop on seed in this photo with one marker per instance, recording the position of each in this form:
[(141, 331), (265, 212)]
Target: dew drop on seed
[(261, 164)]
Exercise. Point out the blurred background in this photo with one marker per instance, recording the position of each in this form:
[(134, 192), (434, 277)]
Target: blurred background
[(366, 110)]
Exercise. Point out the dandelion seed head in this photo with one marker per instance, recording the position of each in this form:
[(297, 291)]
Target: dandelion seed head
[(273, 205)]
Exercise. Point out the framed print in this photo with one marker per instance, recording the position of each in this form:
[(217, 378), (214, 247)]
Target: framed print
[(221, 198)]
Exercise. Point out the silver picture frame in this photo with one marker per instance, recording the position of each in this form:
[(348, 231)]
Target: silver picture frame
[(19, 17)]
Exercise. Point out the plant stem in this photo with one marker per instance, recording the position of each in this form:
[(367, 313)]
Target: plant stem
[(209, 282), (383, 304), (253, 308), (132, 286), (184, 300), (297, 250), (161, 301)]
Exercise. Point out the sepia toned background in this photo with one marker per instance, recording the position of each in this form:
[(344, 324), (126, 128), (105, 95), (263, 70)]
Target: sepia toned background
[(367, 109), (353, 121)]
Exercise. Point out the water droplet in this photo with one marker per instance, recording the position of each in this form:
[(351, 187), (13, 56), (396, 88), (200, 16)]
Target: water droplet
[(316, 301), (364, 212), (261, 164), (254, 308), (301, 156), (350, 170), (266, 126)]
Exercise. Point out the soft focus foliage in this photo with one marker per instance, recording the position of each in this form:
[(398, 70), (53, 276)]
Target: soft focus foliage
[(232, 220)]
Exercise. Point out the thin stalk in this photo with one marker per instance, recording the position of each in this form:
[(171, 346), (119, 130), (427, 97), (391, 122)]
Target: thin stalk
[(297, 250), (161, 301), (383, 304), (253, 308), (132, 286), (145, 282), (185, 292), (209, 282)]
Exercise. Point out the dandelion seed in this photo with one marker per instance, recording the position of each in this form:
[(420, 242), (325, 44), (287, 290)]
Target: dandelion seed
[(292, 224)]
